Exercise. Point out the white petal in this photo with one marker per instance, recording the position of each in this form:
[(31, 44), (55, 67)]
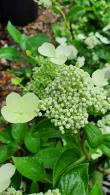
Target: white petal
[(6, 172), (14, 100), (47, 49), (99, 79), (61, 40), (4, 185), (30, 102), (14, 117), (64, 50), (73, 53), (61, 59)]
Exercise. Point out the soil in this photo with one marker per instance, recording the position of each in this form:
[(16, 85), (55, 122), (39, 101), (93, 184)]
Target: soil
[(41, 25)]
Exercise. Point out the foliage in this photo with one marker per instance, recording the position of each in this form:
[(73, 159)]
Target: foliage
[(60, 139)]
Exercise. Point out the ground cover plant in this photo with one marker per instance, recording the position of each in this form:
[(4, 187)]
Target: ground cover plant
[(57, 139)]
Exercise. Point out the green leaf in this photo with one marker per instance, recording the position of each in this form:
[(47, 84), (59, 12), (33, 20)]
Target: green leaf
[(36, 41), (66, 158), (48, 156), (30, 168), (76, 12), (45, 129), (103, 52), (75, 181), (105, 149), (6, 152), (18, 131), (14, 33), (96, 190), (26, 43), (72, 184), (32, 143), (5, 136), (12, 54), (17, 36), (93, 135)]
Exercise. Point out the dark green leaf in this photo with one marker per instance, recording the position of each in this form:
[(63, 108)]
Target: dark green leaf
[(32, 143), (96, 190), (75, 181), (45, 129), (67, 158), (5, 136), (48, 156), (6, 152), (36, 41), (93, 135), (30, 168), (18, 131), (76, 12)]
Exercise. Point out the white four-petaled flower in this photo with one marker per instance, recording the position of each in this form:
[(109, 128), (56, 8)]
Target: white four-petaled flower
[(20, 109), (60, 54)]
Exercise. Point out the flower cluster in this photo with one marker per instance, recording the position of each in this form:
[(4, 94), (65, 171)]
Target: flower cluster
[(12, 191), (50, 192), (104, 124), (70, 95), (91, 41), (42, 77)]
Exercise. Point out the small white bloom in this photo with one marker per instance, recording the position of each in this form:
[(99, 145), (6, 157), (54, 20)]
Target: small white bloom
[(73, 53), (91, 41), (6, 172), (81, 36), (102, 38), (101, 76), (80, 61), (61, 40)]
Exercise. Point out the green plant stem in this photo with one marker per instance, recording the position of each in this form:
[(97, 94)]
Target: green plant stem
[(68, 26)]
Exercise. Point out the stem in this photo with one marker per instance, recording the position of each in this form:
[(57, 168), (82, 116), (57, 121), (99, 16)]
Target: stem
[(64, 17)]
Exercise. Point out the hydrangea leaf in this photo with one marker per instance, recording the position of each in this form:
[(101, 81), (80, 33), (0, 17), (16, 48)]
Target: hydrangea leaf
[(47, 49), (20, 109)]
